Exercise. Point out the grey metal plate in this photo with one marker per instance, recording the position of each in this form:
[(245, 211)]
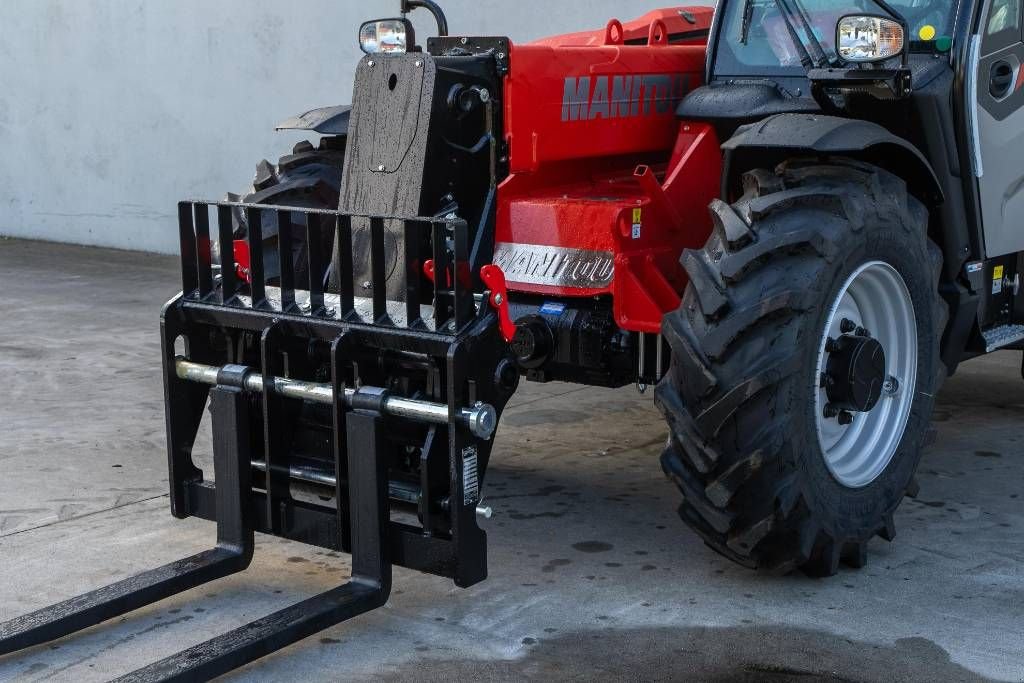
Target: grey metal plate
[(1001, 337), (536, 264)]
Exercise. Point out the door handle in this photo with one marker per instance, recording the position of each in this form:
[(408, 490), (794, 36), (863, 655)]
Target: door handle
[(1000, 80)]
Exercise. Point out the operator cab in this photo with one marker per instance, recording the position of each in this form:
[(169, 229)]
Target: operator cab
[(789, 56), (949, 94)]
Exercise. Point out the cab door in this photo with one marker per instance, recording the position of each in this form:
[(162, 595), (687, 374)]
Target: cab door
[(998, 57)]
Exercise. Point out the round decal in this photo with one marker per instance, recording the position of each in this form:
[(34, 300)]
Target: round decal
[(927, 32)]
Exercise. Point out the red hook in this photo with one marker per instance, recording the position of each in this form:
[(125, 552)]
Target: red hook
[(494, 278)]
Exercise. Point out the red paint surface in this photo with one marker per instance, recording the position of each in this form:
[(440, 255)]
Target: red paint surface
[(639, 28), (242, 261), (576, 183)]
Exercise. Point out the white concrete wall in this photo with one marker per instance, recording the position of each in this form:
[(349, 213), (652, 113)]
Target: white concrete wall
[(113, 110)]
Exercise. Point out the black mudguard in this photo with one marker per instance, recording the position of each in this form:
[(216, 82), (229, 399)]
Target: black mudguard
[(325, 121), (777, 137)]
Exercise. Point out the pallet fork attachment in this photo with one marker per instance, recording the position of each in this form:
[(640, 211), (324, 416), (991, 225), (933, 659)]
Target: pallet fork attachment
[(367, 590), (232, 554), (249, 353)]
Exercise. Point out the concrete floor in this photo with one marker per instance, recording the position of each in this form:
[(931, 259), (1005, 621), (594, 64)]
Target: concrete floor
[(592, 574)]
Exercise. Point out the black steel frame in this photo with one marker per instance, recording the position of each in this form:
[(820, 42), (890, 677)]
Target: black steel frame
[(462, 337), (458, 334)]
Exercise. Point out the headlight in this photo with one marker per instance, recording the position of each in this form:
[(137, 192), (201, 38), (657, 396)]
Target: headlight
[(385, 35), (868, 39)]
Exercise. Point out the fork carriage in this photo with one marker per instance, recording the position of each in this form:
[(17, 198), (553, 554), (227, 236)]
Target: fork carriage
[(313, 357)]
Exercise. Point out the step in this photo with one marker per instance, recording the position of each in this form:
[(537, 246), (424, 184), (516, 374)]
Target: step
[(1001, 337)]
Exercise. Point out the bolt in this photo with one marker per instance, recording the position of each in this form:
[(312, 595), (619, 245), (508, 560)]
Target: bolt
[(485, 95), (845, 418), (498, 299), (862, 332), (830, 411), (826, 380), (464, 41), (847, 326), (891, 386), (370, 63), (419, 63), (381, 168), (367, 285), (501, 55)]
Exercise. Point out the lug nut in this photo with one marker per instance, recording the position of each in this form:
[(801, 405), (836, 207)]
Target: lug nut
[(847, 326), (830, 411), (831, 346), (845, 418), (861, 332)]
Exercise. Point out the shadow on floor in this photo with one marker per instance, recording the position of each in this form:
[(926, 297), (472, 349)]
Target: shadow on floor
[(741, 654)]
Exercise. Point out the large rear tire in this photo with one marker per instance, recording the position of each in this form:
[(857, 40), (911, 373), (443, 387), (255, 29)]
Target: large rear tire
[(817, 267), (310, 178)]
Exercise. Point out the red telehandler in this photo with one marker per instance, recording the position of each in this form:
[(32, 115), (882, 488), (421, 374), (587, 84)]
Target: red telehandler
[(487, 211)]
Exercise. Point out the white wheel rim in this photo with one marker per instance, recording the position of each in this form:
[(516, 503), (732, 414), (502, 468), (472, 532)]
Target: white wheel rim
[(876, 298)]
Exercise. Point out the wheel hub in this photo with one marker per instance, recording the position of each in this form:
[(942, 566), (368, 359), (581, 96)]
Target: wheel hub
[(855, 375), (867, 374)]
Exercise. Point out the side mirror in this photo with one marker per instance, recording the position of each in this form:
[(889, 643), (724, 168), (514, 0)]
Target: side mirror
[(386, 36), (866, 39)]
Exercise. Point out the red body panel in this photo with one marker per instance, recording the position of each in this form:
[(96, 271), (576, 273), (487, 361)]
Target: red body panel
[(600, 165), (626, 110), (680, 29)]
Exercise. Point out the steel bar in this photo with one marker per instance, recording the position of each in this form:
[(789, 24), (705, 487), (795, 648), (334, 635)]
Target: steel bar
[(481, 419), (257, 275), (203, 253), (311, 474), (286, 258)]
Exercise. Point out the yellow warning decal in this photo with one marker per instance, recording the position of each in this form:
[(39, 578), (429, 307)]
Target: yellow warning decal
[(638, 215), (927, 32), (997, 274)]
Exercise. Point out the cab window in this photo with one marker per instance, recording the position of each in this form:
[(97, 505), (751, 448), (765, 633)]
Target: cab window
[(1002, 25)]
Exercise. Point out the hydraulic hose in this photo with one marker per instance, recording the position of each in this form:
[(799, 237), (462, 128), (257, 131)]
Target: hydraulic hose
[(435, 9)]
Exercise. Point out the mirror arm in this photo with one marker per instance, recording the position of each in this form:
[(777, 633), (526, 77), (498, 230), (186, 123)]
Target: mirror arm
[(434, 8)]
